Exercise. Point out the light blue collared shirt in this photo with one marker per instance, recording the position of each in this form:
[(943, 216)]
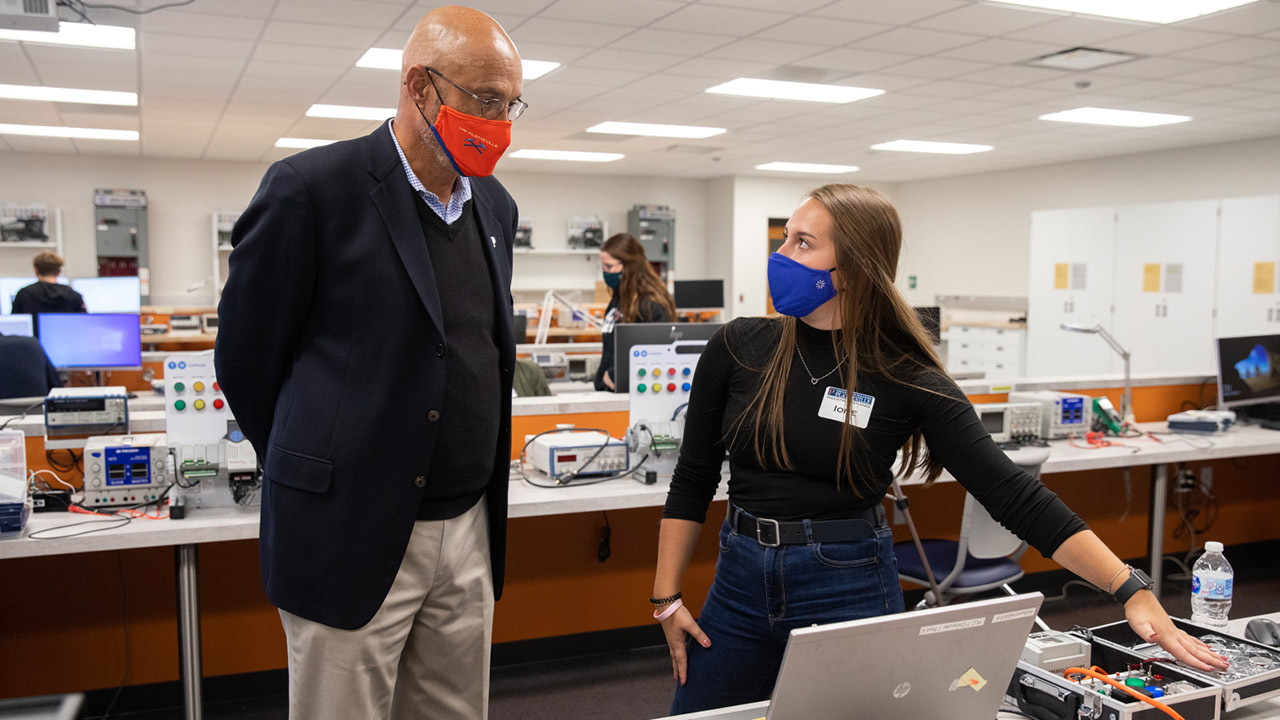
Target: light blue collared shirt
[(461, 188)]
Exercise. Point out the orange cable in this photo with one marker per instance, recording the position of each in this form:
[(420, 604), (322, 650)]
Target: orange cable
[(1104, 678)]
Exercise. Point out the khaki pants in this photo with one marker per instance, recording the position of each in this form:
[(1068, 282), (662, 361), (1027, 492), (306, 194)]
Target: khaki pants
[(425, 653)]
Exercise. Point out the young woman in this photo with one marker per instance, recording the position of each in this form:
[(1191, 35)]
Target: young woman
[(638, 296), (812, 408)]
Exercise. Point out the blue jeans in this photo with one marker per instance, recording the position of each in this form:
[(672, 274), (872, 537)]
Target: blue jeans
[(760, 593)]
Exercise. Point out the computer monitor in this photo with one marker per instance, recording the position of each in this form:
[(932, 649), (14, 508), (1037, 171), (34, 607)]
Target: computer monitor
[(699, 294), (1248, 370), (628, 335), (121, 294), (76, 341), (16, 325), (9, 286), (931, 317)]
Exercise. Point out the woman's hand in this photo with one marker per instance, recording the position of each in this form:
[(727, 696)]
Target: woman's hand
[(676, 627), (1152, 624), (608, 381)]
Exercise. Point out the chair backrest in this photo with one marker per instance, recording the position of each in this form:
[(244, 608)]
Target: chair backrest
[(983, 536)]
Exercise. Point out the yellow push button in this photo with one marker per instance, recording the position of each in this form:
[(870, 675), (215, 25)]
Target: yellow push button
[(198, 387), (199, 404), (657, 387)]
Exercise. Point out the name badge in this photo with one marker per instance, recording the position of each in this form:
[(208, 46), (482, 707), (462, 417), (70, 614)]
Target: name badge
[(833, 407)]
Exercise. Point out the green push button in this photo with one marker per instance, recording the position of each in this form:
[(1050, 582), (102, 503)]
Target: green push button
[(1134, 682), (180, 404), (641, 372), (179, 387), (642, 388)]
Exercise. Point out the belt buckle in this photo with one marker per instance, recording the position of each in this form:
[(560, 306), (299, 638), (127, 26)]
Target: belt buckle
[(777, 532)]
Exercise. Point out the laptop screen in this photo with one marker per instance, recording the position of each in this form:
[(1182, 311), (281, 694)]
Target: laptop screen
[(953, 662)]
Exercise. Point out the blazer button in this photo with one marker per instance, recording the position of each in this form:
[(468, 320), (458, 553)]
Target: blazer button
[(433, 416), (440, 351), (420, 481)]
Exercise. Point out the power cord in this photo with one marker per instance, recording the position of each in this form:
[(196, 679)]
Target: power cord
[(603, 552)]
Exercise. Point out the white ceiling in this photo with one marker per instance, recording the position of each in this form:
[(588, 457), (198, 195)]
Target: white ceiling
[(223, 79)]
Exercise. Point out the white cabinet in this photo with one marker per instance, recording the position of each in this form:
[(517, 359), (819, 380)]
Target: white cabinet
[(1072, 259), (1165, 273), (998, 353), (1248, 257)]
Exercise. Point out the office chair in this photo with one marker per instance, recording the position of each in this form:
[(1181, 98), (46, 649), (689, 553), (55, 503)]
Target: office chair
[(984, 558)]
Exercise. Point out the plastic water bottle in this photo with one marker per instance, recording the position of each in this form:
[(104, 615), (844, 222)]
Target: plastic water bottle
[(1211, 587)]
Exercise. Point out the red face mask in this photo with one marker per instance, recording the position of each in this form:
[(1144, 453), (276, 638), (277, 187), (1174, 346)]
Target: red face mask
[(473, 144)]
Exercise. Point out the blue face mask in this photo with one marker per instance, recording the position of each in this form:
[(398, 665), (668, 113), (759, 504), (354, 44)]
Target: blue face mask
[(797, 289), (613, 280)]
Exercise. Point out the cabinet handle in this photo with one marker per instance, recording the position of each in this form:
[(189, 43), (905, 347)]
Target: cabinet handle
[(1270, 312)]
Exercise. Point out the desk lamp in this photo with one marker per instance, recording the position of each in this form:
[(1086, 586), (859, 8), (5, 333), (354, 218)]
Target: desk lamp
[(1126, 401)]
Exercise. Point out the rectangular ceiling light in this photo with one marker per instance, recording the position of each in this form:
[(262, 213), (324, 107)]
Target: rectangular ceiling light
[(926, 146), (1082, 58), (1118, 118), (808, 168), (569, 155), (350, 112), (1152, 11), (302, 143), (68, 95), (68, 132), (81, 34), (389, 59), (783, 90), (654, 130)]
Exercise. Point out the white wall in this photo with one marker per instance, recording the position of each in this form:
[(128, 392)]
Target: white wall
[(182, 197), (970, 235)]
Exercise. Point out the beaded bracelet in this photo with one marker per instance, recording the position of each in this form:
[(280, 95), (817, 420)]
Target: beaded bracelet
[(665, 600), (663, 615)]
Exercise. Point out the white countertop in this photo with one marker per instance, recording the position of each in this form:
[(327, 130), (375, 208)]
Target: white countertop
[(211, 525)]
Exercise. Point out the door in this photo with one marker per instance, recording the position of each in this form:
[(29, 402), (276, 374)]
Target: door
[(1247, 302)]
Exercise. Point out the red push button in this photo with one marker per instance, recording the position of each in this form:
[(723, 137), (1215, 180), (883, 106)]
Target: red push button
[(671, 371), (671, 387), (218, 403), (217, 387)]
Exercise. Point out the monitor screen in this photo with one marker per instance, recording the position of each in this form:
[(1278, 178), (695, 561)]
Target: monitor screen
[(627, 335), (16, 325), (1248, 370), (110, 294), (9, 286), (76, 341), (699, 294), (930, 316)]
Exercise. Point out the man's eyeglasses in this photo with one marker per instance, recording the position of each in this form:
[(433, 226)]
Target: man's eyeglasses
[(490, 108)]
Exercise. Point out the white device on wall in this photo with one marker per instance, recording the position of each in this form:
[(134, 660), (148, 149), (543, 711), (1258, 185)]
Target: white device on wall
[(125, 470), (1011, 421), (214, 465), (1063, 414), (660, 383)]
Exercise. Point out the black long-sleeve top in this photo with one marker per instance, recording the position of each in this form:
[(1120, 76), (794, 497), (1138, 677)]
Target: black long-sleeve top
[(725, 383)]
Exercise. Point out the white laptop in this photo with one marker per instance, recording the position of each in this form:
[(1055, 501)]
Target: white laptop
[(953, 662)]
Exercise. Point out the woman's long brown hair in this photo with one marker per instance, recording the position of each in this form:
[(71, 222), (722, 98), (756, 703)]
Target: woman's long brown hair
[(640, 282), (881, 332)]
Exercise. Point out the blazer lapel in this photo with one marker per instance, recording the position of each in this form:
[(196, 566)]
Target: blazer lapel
[(394, 199)]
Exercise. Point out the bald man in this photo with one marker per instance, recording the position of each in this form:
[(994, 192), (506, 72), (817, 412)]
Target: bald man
[(365, 348)]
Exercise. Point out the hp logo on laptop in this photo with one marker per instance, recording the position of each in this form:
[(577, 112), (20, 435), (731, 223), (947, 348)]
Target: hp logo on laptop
[(902, 690)]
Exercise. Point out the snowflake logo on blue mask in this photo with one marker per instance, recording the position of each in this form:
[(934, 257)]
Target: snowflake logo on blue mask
[(821, 284)]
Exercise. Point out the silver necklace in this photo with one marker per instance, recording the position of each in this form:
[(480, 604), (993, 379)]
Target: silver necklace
[(814, 380)]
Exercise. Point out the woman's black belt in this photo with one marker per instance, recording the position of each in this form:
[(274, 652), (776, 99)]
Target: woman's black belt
[(772, 533)]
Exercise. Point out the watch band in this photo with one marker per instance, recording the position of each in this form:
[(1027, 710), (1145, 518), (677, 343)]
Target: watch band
[(1138, 580)]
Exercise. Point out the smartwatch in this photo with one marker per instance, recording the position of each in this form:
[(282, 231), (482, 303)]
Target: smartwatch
[(1138, 580)]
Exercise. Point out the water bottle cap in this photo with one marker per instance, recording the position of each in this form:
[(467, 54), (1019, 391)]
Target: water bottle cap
[(1213, 546)]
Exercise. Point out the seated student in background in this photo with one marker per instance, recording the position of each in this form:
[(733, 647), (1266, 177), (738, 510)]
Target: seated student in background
[(46, 295), (25, 370), (638, 297)]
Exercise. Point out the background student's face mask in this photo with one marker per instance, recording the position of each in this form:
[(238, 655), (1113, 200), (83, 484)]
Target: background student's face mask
[(798, 289)]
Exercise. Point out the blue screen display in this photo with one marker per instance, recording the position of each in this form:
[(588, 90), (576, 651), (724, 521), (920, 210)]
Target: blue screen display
[(76, 340)]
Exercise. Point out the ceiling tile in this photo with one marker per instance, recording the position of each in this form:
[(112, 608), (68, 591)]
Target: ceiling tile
[(822, 31), (337, 36), (1163, 41), (240, 8), (953, 89), (307, 54), (1002, 51), (568, 32), (1013, 75), (193, 45), (631, 14), (342, 13), (720, 20), (592, 77), (983, 19), (552, 52), (1212, 96), (17, 112), (28, 144), (853, 60), (611, 59), (716, 70), (107, 148), (915, 41), (883, 81), (1248, 20), (1227, 75), (753, 49), (77, 67), (671, 42), (1155, 68), (17, 69), (1237, 50), (935, 68), (1152, 89), (898, 12), (203, 25), (1076, 31)]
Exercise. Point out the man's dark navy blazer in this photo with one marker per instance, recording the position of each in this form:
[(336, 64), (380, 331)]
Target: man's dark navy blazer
[(330, 353)]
